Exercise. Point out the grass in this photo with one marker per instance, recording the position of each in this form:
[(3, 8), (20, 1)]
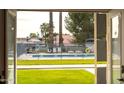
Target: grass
[(55, 77), (58, 62)]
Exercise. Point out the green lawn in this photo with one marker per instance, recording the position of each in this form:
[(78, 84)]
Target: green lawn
[(58, 62), (55, 77)]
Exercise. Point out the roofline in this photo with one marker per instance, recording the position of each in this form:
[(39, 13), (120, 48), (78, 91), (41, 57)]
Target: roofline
[(67, 10)]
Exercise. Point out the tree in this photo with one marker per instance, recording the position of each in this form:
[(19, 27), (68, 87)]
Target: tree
[(60, 30), (80, 25), (50, 44), (33, 35), (45, 31), (55, 39)]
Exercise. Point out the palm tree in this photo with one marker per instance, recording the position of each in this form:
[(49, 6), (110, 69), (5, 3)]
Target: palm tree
[(60, 32), (60, 29), (51, 32)]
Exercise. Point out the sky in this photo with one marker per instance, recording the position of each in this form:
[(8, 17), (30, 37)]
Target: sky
[(29, 22)]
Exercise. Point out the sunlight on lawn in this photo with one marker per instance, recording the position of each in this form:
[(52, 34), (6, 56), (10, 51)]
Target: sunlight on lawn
[(55, 77), (58, 62)]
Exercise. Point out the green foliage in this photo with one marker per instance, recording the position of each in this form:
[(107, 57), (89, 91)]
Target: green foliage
[(45, 27), (33, 35), (55, 77), (45, 32), (80, 25)]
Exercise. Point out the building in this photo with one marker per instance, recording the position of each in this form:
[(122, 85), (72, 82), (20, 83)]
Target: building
[(108, 21), (27, 46), (34, 45)]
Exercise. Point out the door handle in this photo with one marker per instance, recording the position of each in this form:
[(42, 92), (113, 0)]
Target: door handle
[(121, 79), (122, 69)]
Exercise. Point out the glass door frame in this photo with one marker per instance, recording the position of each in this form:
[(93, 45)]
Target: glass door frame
[(56, 10), (120, 41), (12, 14)]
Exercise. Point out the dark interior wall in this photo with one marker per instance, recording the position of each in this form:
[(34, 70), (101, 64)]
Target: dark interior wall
[(101, 74), (2, 46), (101, 26), (100, 46), (101, 37)]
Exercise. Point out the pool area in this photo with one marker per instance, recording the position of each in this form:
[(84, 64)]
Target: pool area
[(58, 56), (63, 55)]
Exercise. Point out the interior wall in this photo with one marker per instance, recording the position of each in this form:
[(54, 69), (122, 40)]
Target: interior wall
[(123, 37), (100, 46), (2, 46), (122, 69), (101, 37)]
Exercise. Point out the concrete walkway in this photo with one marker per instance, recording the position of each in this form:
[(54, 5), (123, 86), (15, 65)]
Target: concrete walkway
[(89, 67), (57, 66)]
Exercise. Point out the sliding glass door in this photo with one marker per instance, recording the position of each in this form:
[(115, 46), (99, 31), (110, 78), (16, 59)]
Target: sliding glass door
[(116, 49)]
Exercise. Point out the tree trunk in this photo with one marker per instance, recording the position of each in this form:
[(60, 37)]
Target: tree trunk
[(51, 32), (60, 30)]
